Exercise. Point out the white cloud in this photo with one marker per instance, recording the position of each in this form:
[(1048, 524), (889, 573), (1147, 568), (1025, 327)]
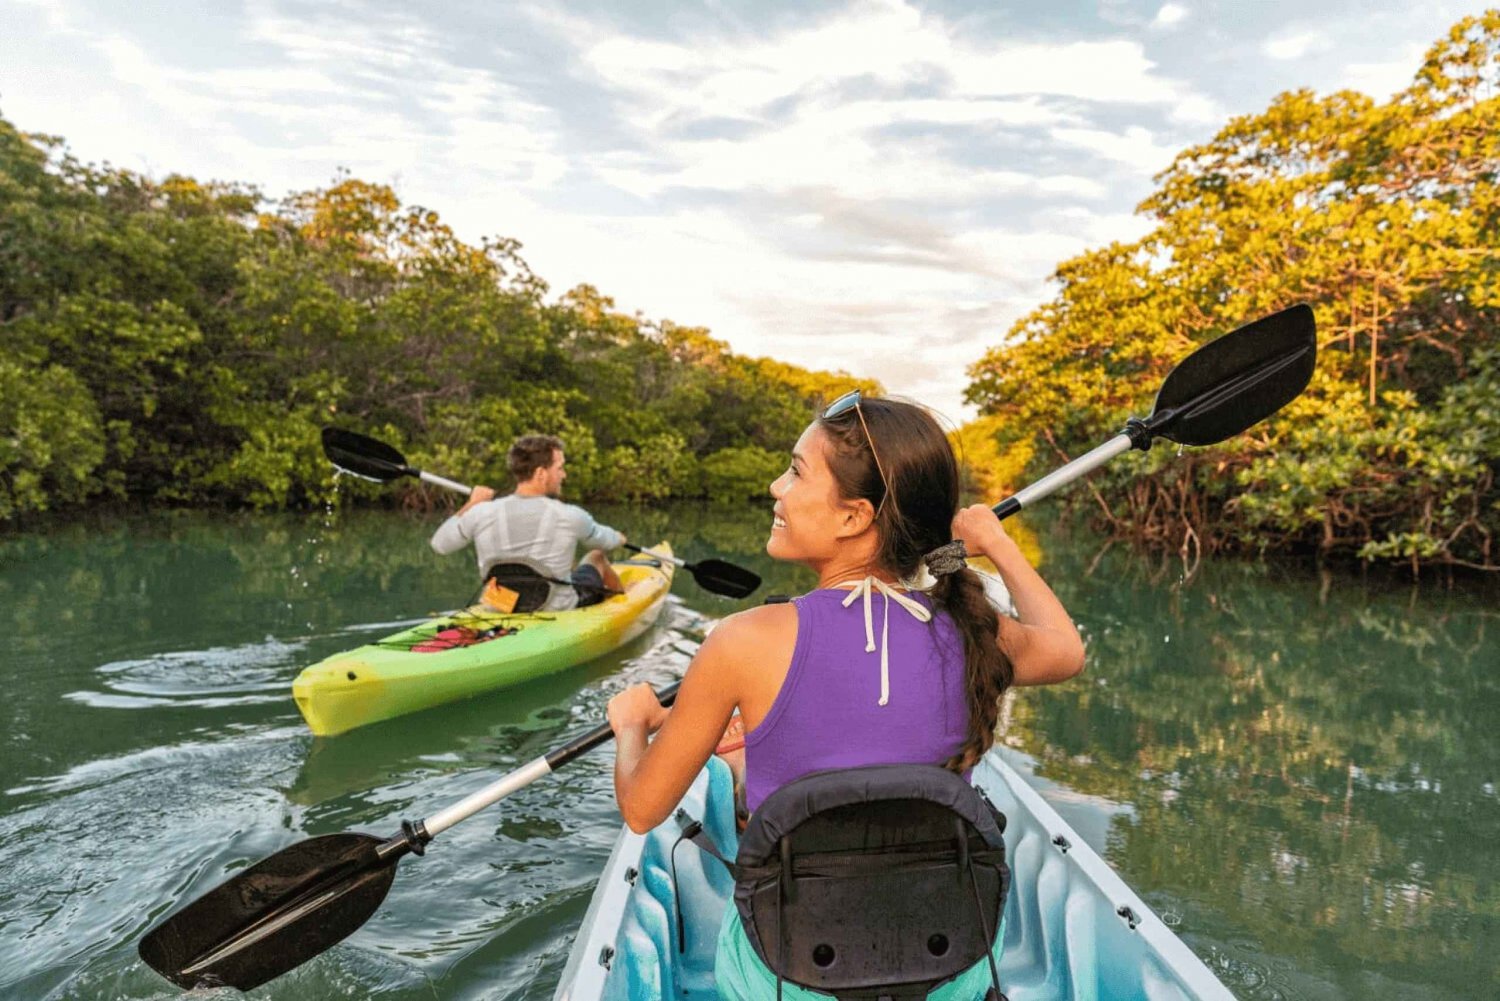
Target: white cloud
[(1169, 14), (1295, 46), (1136, 147), (1382, 79), (1197, 110)]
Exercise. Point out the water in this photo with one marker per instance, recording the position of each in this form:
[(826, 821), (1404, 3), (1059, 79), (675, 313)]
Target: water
[(1297, 771)]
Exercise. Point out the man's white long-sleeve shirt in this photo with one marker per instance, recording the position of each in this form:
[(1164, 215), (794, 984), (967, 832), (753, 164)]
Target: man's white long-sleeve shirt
[(539, 530)]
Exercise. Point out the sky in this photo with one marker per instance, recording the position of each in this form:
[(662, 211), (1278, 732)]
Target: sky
[(876, 186)]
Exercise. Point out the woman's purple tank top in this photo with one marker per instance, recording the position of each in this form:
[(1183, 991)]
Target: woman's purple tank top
[(827, 714)]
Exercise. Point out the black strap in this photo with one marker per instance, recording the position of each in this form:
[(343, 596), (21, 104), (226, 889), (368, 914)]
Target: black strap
[(692, 830), (984, 926)]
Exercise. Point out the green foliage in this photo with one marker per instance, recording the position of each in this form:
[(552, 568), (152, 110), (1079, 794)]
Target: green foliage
[(1383, 217), (185, 342), (737, 474), (50, 439)]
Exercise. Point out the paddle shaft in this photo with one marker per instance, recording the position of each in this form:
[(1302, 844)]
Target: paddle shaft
[(528, 773), (651, 552), (1059, 478), (442, 481)]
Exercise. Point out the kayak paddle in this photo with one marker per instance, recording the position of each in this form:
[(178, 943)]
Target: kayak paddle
[(371, 459), (712, 575), (293, 905), (1229, 384)]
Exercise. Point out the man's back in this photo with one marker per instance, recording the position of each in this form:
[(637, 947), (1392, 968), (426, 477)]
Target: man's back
[(538, 530)]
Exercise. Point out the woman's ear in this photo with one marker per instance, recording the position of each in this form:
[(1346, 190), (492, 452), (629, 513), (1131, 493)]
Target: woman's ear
[(854, 518)]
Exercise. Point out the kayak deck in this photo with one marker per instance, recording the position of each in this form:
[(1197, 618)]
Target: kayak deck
[(388, 678), (1073, 929)]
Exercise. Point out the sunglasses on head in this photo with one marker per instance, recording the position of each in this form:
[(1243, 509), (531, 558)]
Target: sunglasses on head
[(842, 405)]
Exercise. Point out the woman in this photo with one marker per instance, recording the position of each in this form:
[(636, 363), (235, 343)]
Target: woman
[(870, 504)]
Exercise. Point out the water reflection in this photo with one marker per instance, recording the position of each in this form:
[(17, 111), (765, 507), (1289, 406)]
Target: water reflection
[(1311, 760)]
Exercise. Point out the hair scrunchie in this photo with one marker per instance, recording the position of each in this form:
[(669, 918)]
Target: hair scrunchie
[(946, 559), (942, 561)]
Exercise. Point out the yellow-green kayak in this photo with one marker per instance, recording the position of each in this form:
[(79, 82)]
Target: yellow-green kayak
[(390, 678)]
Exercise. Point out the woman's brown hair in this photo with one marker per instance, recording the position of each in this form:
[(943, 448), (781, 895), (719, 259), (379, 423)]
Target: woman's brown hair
[(914, 520)]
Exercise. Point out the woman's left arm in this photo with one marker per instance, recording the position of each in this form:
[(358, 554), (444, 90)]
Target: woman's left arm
[(651, 776)]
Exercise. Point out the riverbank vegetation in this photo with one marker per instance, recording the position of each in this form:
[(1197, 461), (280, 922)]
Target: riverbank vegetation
[(1386, 218), (182, 342)]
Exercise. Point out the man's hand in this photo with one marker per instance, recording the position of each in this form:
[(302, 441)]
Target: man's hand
[(478, 495)]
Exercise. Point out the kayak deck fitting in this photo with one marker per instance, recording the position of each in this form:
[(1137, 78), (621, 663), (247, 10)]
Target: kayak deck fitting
[(389, 678), (1073, 930)]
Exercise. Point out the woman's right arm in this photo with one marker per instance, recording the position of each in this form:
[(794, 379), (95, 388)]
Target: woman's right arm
[(1042, 643)]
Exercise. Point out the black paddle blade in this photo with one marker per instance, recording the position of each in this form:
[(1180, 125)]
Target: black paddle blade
[(364, 456), (1238, 380), (724, 578), (277, 914)]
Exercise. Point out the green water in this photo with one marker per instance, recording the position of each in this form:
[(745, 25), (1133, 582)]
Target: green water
[(1297, 771)]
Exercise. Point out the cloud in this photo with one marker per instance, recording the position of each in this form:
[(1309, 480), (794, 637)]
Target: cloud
[(1136, 147), (797, 124), (1295, 46), (1169, 15), (1382, 79)]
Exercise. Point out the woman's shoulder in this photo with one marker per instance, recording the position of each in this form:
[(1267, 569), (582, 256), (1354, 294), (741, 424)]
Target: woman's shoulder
[(749, 635), (741, 645), (758, 623)]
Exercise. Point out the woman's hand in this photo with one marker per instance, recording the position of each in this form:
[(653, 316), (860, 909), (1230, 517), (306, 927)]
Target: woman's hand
[(636, 709), (980, 531)]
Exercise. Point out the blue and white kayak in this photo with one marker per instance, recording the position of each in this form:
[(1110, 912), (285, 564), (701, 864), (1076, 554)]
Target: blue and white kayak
[(1073, 930)]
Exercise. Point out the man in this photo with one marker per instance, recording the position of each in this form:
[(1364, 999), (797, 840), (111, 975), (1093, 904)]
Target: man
[(532, 526)]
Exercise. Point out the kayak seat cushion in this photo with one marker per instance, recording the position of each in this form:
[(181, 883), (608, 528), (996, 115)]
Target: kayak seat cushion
[(531, 586), (875, 882)]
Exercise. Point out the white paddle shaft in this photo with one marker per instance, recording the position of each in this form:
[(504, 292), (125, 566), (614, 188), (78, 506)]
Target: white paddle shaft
[(442, 481), (492, 793), (1079, 467)]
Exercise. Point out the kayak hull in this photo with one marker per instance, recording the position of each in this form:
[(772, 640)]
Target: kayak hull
[(386, 679), (1073, 929)]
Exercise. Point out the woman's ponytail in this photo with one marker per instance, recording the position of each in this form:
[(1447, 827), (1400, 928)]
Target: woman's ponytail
[(988, 672)]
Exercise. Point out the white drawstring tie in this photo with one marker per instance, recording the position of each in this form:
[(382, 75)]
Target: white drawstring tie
[(918, 610)]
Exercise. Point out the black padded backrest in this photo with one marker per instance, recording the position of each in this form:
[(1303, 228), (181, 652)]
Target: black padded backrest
[(530, 585), (873, 882)]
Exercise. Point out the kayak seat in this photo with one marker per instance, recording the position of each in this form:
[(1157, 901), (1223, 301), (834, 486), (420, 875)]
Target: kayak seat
[(532, 587), (872, 883)]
